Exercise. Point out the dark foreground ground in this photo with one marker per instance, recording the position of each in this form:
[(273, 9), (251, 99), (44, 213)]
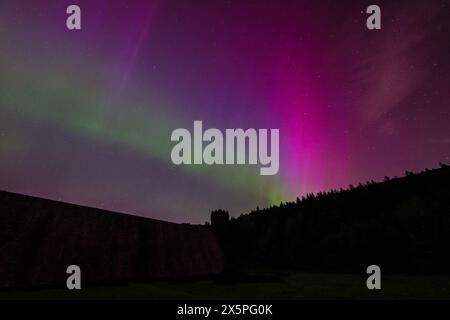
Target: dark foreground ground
[(281, 285)]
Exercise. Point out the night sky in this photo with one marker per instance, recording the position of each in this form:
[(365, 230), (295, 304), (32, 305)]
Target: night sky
[(86, 116)]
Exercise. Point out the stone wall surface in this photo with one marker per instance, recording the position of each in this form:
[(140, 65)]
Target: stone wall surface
[(39, 238)]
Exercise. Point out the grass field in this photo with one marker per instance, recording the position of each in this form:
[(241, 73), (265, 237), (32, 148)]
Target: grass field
[(282, 285)]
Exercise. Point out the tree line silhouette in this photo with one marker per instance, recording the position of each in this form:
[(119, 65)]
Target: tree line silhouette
[(401, 224)]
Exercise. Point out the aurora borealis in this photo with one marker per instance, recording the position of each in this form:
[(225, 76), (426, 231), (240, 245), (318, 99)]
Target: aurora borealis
[(86, 116)]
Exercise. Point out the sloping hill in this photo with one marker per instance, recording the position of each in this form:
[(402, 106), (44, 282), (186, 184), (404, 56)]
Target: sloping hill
[(39, 238), (401, 224)]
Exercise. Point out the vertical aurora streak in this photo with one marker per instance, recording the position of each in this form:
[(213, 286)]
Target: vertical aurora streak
[(86, 116)]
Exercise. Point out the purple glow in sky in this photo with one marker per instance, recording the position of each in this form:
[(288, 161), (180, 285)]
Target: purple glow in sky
[(86, 116)]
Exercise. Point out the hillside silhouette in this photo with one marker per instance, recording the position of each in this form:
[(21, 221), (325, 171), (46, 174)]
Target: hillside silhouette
[(401, 224)]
